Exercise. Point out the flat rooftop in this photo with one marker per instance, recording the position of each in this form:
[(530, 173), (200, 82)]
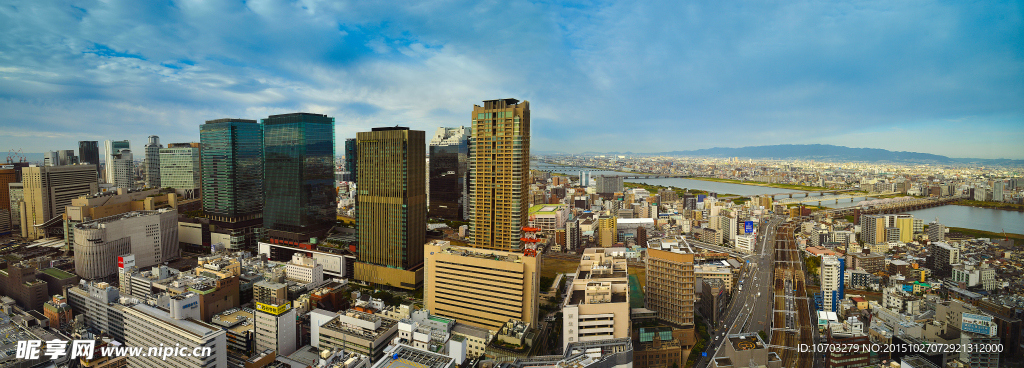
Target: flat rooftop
[(404, 356), (237, 320), (745, 342), (58, 273)]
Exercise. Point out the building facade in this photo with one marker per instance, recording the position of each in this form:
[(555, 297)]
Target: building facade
[(499, 168), (449, 173), (48, 190), (596, 306), (181, 168), (300, 202), (392, 204), (151, 236), (482, 288), (89, 154), (153, 162), (110, 149), (232, 178), (671, 287), (177, 326)]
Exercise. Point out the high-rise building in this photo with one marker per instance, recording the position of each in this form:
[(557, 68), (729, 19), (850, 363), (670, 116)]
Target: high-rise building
[(936, 232), (480, 287), (607, 230), (50, 158), (449, 173), (499, 168), (351, 160), (942, 257), (122, 168), (7, 176), (275, 326), (153, 162), (111, 148), (392, 206), (232, 181), (998, 188), (831, 276), (181, 168), (151, 236), (179, 326), (66, 157), (573, 235), (609, 184), (670, 288), (48, 190), (298, 181), (89, 153)]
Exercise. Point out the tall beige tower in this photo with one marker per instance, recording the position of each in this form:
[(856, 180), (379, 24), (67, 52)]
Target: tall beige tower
[(499, 171)]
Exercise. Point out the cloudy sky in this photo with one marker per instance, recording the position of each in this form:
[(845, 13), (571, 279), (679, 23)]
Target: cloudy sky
[(648, 76)]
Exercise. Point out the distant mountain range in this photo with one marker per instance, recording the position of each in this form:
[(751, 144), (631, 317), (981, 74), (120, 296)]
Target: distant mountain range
[(825, 152)]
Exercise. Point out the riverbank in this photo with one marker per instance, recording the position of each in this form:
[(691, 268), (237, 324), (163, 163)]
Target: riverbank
[(758, 183), (991, 205), (680, 191), (1018, 239)]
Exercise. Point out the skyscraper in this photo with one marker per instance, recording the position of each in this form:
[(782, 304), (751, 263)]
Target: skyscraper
[(122, 169), (181, 168), (351, 160), (499, 168), (67, 157), (300, 201), (49, 190), (111, 148), (89, 153), (392, 206), (449, 173), (670, 288), (831, 276), (153, 162), (232, 181)]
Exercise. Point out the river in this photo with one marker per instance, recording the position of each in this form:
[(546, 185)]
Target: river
[(985, 219)]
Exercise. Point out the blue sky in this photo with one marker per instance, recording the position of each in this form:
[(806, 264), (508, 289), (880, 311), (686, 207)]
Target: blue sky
[(650, 76)]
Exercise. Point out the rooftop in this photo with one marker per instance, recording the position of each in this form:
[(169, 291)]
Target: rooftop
[(748, 341), (58, 273), (405, 356), (237, 320)]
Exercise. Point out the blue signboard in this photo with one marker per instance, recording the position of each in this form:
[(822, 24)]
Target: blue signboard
[(748, 227)]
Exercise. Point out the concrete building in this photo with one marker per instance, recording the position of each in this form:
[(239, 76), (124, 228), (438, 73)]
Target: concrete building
[(831, 276), (19, 282), (181, 168), (304, 270), (100, 304), (548, 217), (713, 299), (405, 356), (482, 288), (573, 235), (747, 349), (153, 162), (178, 325), (655, 347), (942, 257), (275, 326), (358, 332), (151, 236), (609, 184), (239, 325), (936, 232), (596, 306), (607, 231), (449, 173), (122, 166), (392, 204), (671, 287), (614, 353), (111, 148), (499, 167), (745, 243), (7, 176), (47, 191)]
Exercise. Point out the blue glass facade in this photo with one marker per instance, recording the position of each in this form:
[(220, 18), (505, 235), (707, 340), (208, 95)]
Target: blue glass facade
[(232, 157), (298, 174)]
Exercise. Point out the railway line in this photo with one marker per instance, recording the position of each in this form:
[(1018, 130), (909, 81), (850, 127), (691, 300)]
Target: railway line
[(791, 321)]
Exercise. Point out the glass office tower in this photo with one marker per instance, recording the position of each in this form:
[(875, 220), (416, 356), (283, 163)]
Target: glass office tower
[(449, 173), (351, 163), (298, 177), (232, 157)]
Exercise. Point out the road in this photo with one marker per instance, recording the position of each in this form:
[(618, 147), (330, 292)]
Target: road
[(749, 309)]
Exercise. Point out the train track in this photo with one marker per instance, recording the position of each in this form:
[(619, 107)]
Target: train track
[(791, 322)]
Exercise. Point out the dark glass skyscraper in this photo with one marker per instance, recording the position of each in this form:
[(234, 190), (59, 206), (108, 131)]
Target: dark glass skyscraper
[(449, 173), (232, 178), (89, 153), (298, 176), (351, 161)]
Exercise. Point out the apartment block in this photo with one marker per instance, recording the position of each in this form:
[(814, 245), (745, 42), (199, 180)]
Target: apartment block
[(596, 306), (670, 288), (499, 167)]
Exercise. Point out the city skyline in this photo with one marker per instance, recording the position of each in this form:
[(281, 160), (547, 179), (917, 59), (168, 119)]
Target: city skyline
[(938, 78)]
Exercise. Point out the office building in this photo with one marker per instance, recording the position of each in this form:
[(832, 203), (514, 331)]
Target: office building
[(499, 168), (482, 288), (998, 187), (48, 190), (240, 333), (177, 326), (831, 275), (7, 176), (16, 191), (405, 356), (122, 166), (449, 173), (607, 231), (89, 154), (181, 168), (66, 157), (50, 158), (153, 162), (275, 326), (596, 306), (713, 300), (151, 236), (392, 206), (19, 282), (298, 181), (232, 178), (111, 148), (671, 287), (304, 270), (351, 160), (614, 353), (98, 302), (358, 332), (609, 184)]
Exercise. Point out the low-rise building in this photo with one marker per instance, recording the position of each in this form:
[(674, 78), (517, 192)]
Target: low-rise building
[(359, 332), (177, 326)]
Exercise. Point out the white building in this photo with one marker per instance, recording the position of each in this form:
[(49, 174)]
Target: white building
[(122, 167), (151, 236), (275, 327), (178, 326), (830, 277), (304, 270), (745, 243), (596, 307)]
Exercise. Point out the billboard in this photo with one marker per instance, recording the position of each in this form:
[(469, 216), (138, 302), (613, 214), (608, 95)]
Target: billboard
[(125, 262), (748, 227)]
